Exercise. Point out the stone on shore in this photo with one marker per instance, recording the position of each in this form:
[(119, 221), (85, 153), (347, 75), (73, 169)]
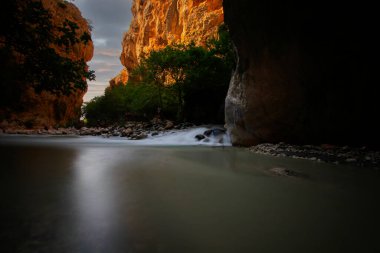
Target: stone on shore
[(361, 157), (169, 125)]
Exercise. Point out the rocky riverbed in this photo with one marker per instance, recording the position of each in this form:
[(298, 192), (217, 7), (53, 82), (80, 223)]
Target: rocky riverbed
[(130, 130), (361, 157)]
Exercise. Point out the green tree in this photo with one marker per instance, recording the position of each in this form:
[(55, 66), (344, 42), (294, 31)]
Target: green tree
[(130, 102), (186, 82), (167, 68), (199, 76), (28, 59)]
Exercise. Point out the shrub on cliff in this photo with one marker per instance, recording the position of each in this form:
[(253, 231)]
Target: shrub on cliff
[(28, 58), (183, 82), (199, 76), (131, 102)]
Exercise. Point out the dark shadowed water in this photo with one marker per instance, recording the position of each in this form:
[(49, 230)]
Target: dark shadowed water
[(71, 194)]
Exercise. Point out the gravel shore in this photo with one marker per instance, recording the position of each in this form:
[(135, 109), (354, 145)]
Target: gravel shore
[(360, 157)]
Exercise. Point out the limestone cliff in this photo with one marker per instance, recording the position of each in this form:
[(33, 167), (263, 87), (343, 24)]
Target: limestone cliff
[(121, 78), (46, 109), (157, 23), (306, 72)]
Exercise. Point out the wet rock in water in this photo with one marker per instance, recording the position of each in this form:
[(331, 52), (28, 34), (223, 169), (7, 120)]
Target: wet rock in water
[(214, 132), (82, 131), (116, 134), (127, 132), (105, 130), (218, 131), (155, 134), (141, 136), (208, 132), (169, 125), (279, 171), (200, 137), (50, 131), (361, 157)]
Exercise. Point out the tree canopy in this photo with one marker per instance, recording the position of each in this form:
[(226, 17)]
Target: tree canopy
[(28, 57), (182, 82)]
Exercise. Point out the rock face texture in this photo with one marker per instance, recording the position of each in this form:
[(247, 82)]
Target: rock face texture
[(121, 78), (46, 109), (157, 23), (59, 13), (305, 74)]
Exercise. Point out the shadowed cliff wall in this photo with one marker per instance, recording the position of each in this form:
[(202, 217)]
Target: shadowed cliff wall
[(46, 109), (306, 72)]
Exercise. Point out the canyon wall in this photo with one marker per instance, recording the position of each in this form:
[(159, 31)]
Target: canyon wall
[(305, 74), (46, 109), (157, 23)]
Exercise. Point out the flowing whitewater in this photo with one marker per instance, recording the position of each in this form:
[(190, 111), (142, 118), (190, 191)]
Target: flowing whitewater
[(194, 136), (198, 136)]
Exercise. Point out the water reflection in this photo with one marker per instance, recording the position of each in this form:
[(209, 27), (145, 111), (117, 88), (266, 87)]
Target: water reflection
[(96, 197)]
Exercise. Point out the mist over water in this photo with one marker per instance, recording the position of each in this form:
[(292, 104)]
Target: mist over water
[(93, 194)]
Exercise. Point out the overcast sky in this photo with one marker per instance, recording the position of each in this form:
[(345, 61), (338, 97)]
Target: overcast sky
[(109, 19)]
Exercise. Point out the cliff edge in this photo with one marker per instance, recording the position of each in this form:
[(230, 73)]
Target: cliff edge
[(46, 109), (158, 23)]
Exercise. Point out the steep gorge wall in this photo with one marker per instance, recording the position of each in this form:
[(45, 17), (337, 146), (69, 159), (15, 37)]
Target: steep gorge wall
[(306, 72), (46, 109), (157, 23)]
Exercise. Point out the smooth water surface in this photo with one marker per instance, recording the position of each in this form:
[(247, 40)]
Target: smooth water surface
[(77, 194)]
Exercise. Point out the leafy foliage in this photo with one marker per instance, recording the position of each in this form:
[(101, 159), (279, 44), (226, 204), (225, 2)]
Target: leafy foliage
[(199, 76), (130, 102), (27, 55), (185, 82)]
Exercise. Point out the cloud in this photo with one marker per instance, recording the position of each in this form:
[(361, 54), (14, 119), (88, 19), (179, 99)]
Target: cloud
[(100, 42), (110, 19), (100, 64), (105, 70), (108, 52), (94, 89)]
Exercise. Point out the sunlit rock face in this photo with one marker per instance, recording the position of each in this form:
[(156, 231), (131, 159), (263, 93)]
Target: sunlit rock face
[(158, 23), (59, 13), (306, 72), (121, 78), (46, 109)]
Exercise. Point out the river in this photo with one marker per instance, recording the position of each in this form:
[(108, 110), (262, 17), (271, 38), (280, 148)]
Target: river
[(92, 194)]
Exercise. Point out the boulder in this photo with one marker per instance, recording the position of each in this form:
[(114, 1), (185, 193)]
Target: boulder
[(169, 125), (127, 132), (214, 132), (200, 137)]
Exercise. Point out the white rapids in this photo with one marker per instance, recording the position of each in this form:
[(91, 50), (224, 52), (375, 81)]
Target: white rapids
[(186, 138)]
